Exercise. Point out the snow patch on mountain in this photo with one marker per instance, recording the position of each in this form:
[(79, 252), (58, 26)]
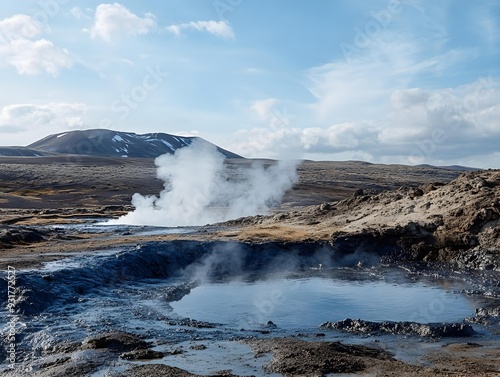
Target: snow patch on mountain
[(109, 143)]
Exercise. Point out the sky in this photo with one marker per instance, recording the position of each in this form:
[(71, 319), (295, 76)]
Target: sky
[(384, 81)]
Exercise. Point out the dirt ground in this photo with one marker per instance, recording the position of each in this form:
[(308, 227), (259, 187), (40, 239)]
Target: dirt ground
[(293, 357), (57, 190), (60, 182)]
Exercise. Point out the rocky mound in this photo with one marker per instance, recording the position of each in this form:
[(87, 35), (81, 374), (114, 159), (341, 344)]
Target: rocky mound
[(11, 236), (116, 341), (433, 330), (456, 222), (293, 357)]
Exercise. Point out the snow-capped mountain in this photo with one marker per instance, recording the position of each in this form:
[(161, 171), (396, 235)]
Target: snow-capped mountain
[(108, 143)]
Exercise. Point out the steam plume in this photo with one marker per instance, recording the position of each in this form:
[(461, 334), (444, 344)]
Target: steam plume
[(198, 189)]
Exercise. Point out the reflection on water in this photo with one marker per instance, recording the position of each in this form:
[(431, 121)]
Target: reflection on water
[(306, 303)]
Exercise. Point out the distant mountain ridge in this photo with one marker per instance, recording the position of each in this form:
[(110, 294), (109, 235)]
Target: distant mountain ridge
[(107, 143), (21, 152), (450, 167)]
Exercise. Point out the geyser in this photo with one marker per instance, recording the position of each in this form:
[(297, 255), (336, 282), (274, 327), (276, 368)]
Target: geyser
[(198, 189)]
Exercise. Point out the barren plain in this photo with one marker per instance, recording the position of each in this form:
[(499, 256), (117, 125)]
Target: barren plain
[(441, 222)]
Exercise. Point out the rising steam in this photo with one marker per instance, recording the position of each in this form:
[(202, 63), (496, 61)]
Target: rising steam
[(199, 189)]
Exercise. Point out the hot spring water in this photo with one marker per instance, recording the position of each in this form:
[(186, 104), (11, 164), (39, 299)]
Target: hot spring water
[(308, 302), (147, 290)]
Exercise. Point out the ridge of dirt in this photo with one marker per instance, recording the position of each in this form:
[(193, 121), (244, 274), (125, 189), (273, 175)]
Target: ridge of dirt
[(458, 221)]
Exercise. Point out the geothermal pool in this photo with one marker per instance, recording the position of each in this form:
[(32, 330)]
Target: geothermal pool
[(307, 302), (154, 290)]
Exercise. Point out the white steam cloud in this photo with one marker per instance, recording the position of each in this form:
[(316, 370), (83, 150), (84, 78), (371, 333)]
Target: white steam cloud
[(200, 189)]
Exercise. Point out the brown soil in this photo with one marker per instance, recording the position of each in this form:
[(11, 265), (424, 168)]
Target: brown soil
[(293, 357), (458, 221), (61, 190), (60, 182)]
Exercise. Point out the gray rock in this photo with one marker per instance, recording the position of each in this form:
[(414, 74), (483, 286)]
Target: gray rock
[(116, 341), (434, 330), (143, 354)]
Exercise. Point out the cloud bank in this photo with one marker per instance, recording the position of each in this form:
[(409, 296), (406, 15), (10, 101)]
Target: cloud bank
[(419, 126)]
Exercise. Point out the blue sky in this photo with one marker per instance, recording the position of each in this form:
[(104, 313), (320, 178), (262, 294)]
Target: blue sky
[(391, 81)]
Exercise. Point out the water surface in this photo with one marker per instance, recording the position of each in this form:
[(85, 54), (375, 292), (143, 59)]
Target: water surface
[(308, 302)]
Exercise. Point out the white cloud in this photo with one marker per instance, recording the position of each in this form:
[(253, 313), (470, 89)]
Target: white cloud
[(445, 123), (339, 138), (220, 29), (19, 26), (264, 108), (268, 111), (266, 142), (78, 13), (114, 20), (30, 56), (297, 142), (35, 57), (32, 122)]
